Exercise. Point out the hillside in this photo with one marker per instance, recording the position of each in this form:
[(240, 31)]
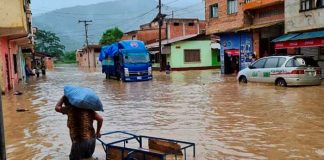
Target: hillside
[(125, 14)]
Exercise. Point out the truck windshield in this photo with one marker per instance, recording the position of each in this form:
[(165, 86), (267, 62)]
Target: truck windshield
[(136, 58)]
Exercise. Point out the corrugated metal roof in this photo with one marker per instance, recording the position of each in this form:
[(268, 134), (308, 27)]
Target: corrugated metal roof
[(308, 35), (169, 41), (285, 37)]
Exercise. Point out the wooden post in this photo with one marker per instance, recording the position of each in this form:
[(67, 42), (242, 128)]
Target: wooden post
[(2, 136)]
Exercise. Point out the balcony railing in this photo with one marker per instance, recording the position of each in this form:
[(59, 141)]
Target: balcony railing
[(256, 4)]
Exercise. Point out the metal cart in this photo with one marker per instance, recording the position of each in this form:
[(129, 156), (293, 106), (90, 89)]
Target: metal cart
[(158, 148)]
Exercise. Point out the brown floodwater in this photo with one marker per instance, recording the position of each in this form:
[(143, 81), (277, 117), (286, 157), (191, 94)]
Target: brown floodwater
[(225, 120)]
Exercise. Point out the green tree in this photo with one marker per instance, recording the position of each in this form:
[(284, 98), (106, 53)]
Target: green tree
[(111, 35), (46, 41), (69, 57)]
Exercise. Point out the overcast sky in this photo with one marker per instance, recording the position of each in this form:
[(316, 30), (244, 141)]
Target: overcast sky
[(42, 6)]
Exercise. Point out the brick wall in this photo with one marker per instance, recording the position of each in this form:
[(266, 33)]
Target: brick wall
[(224, 22), (176, 31), (269, 14), (184, 27), (149, 36), (128, 36)]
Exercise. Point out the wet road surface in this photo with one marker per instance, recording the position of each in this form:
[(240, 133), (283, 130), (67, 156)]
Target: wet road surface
[(225, 120)]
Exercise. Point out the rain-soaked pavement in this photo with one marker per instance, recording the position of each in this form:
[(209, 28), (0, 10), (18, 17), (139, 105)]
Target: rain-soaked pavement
[(226, 120)]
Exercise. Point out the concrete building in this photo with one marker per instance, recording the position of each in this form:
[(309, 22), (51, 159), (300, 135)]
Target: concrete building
[(147, 35), (16, 34), (172, 28), (245, 27), (304, 27), (177, 27), (189, 52), (88, 56)]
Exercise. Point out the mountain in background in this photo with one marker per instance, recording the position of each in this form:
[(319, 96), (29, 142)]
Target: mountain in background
[(126, 14)]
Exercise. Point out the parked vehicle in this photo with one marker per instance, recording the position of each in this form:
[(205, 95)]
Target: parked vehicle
[(127, 60), (283, 71)]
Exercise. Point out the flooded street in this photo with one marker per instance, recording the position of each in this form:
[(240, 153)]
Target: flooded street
[(225, 120)]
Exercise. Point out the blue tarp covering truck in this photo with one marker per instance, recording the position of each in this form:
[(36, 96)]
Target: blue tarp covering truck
[(127, 60)]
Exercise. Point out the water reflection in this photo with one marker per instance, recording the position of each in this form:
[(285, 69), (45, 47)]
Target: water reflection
[(226, 120)]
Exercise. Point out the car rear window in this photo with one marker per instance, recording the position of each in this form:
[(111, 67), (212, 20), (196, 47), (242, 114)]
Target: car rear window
[(302, 62)]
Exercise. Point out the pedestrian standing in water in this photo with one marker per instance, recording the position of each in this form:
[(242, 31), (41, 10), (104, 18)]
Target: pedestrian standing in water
[(254, 58), (80, 124), (168, 68), (43, 67)]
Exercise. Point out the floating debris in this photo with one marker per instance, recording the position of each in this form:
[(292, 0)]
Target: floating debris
[(21, 110), (17, 93)]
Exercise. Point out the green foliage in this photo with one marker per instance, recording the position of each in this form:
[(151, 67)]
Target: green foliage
[(46, 41), (69, 57), (111, 35)]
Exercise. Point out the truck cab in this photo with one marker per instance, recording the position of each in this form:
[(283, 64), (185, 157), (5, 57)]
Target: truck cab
[(127, 61)]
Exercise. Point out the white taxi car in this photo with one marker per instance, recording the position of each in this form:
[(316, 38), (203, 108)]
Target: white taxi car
[(283, 71)]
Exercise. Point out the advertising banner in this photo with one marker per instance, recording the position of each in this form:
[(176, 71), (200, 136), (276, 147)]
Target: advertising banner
[(246, 50)]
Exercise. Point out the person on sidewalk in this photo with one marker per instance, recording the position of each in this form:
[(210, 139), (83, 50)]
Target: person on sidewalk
[(80, 124)]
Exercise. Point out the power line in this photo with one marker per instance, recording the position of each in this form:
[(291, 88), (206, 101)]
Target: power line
[(86, 24)]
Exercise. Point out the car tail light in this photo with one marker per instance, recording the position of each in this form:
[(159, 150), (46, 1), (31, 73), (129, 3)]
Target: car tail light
[(318, 72), (298, 72)]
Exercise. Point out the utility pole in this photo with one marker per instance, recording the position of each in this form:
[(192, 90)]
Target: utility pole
[(2, 136), (160, 20), (86, 24)]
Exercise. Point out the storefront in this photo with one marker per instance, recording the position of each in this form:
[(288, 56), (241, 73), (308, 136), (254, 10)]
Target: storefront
[(236, 51), (307, 43)]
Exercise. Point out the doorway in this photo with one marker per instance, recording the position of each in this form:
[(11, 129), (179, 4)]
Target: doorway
[(8, 72), (231, 61)]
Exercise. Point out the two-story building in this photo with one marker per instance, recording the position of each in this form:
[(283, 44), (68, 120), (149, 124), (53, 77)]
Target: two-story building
[(16, 34), (245, 27), (171, 28), (304, 27)]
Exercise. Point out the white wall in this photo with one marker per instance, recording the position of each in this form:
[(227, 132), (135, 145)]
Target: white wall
[(301, 21)]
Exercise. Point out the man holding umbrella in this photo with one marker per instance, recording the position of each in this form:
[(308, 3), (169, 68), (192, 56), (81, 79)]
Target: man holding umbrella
[(80, 105)]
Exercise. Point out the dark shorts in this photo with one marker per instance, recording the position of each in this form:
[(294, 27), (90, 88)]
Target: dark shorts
[(83, 150)]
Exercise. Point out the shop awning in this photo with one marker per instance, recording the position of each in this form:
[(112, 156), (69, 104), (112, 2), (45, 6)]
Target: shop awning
[(257, 26), (285, 37), (299, 40), (309, 35), (233, 52)]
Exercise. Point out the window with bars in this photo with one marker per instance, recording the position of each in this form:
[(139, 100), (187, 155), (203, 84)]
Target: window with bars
[(319, 3), (192, 55), (213, 10), (232, 6), (306, 5)]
